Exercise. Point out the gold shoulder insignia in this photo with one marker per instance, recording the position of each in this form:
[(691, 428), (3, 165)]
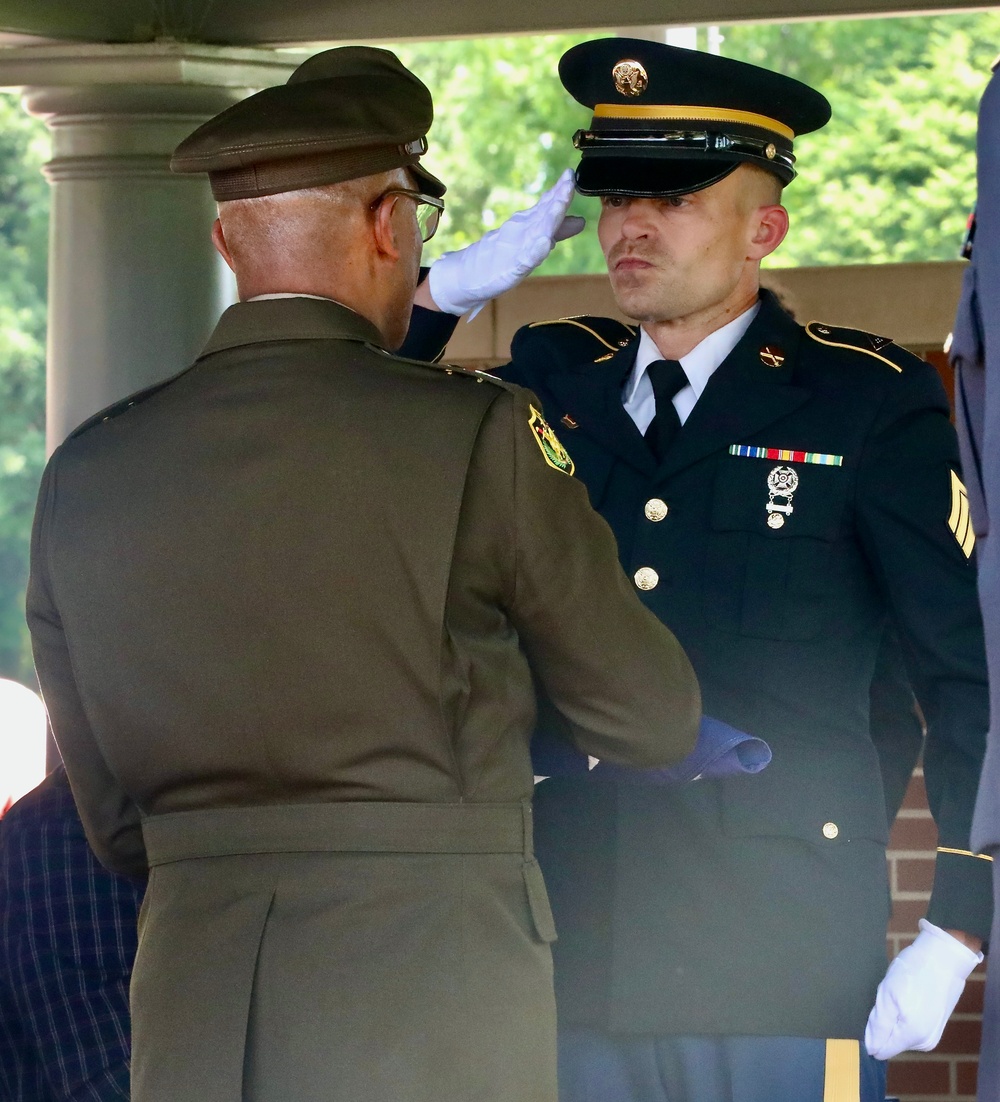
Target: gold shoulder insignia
[(437, 365), (855, 340), (555, 454), (607, 331)]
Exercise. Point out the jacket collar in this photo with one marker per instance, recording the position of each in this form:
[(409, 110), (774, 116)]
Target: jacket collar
[(282, 319), (745, 394), (591, 393), (753, 387)]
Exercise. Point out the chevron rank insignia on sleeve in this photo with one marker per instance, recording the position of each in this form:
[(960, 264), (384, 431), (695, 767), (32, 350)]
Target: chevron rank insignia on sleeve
[(960, 519)]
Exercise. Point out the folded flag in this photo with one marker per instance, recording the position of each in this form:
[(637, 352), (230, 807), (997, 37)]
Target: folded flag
[(721, 751)]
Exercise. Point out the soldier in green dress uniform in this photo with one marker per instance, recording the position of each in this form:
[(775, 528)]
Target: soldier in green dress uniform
[(288, 610)]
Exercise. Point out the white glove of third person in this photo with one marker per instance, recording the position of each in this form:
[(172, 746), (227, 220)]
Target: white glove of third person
[(920, 989), (468, 279)]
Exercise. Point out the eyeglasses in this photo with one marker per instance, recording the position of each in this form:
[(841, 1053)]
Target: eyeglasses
[(428, 209)]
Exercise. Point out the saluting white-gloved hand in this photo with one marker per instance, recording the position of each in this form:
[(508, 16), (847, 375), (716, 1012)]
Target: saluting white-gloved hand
[(468, 279), (920, 989)]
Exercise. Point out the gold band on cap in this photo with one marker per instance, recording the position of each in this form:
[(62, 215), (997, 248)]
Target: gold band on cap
[(694, 114)]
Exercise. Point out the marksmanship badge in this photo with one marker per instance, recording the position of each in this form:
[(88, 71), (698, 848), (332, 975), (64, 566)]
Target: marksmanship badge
[(555, 454), (782, 483), (630, 78)]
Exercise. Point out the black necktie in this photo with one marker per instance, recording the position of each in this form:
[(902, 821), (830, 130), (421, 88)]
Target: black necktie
[(667, 377)]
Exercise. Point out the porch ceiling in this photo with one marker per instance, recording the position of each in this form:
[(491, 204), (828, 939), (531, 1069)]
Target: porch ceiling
[(277, 22)]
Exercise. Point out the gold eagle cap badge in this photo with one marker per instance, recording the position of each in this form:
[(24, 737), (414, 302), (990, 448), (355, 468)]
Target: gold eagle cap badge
[(555, 454), (631, 79)]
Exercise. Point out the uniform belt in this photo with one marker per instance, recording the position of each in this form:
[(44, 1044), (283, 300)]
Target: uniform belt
[(355, 826)]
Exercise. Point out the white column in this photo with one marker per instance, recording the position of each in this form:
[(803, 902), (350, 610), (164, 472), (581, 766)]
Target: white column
[(134, 283)]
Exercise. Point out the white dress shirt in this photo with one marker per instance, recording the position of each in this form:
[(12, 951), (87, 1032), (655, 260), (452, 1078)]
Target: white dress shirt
[(291, 294), (699, 365)]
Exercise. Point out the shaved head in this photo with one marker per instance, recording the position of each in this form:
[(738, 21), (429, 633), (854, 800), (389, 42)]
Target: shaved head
[(266, 234), (759, 188), (335, 241)]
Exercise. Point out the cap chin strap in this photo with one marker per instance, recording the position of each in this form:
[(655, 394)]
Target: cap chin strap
[(635, 142)]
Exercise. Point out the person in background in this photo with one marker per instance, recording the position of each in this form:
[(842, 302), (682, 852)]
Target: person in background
[(975, 355), (67, 943)]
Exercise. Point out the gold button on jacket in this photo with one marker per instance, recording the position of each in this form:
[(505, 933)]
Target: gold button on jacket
[(646, 578), (655, 509)]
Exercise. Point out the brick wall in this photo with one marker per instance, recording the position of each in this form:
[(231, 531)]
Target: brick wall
[(949, 1072)]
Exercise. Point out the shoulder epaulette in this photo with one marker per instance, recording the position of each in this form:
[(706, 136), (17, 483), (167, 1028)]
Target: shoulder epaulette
[(473, 373), (857, 340), (604, 333), (448, 369), (123, 405)]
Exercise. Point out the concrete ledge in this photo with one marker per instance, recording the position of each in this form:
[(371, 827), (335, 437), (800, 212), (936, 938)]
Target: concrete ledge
[(912, 303)]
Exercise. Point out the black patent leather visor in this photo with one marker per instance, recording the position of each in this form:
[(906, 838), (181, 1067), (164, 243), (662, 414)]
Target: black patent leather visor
[(649, 178)]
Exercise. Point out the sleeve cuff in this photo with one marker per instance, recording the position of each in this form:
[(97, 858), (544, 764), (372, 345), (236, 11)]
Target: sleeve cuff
[(962, 896), (428, 335)]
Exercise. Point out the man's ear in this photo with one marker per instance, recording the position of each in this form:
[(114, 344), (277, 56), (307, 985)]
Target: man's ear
[(771, 227), (219, 241), (385, 229)]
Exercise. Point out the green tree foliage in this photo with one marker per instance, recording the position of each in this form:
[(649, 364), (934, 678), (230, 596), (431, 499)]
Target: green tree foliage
[(501, 134), (892, 178), (23, 235)]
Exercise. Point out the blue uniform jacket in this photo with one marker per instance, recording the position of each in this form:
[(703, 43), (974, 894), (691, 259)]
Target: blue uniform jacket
[(758, 905)]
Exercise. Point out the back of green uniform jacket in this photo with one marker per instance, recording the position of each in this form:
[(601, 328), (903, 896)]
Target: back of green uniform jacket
[(306, 575)]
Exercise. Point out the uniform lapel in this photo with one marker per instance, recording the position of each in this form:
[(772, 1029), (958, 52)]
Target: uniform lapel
[(591, 394), (746, 393)]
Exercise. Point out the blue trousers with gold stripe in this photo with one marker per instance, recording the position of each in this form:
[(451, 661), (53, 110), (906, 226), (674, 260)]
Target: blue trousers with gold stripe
[(597, 1067)]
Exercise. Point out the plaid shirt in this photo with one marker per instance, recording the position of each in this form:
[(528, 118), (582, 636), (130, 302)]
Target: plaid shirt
[(67, 942)]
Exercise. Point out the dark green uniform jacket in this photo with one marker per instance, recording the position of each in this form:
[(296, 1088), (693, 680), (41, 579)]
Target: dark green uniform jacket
[(758, 905), (286, 610)]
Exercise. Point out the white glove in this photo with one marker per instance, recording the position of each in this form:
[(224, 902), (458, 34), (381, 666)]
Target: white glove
[(915, 999), (468, 279)]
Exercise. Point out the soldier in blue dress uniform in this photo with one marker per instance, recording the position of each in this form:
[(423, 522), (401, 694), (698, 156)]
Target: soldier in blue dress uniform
[(975, 355), (782, 495)]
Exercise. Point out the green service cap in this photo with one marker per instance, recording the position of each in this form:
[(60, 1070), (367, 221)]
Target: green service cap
[(345, 113), (669, 121)]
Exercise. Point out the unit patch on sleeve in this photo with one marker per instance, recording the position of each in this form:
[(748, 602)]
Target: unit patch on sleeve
[(555, 454), (960, 520)]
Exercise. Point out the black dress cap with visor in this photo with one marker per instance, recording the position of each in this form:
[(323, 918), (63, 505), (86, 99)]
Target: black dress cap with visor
[(670, 121)]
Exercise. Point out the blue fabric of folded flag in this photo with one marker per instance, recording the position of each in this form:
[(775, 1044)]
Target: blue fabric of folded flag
[(720, 751)]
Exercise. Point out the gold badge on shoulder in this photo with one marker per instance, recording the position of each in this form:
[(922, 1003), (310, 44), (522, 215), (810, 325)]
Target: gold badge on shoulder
[(555, 454)]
